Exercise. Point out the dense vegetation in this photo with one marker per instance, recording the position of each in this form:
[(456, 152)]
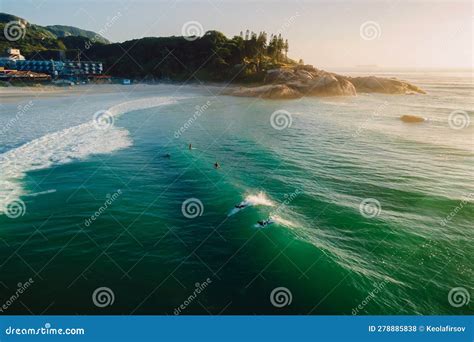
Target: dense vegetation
[(211, 57), (38, 38)]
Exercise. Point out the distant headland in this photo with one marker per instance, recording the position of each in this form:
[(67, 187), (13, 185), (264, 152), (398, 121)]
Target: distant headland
[(258, 62)]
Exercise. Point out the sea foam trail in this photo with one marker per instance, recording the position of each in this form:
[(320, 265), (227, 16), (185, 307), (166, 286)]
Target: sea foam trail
[(253, 200), (77, 142)]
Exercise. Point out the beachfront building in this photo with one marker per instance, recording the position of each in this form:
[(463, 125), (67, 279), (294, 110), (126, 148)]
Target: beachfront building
[(12, 55), (7, 75), (57, 69)]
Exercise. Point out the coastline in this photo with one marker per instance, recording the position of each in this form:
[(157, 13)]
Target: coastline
[(282, 84)]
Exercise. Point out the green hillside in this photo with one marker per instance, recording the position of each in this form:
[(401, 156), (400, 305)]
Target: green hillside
[(66, 31), (213, 56), (38, 39)]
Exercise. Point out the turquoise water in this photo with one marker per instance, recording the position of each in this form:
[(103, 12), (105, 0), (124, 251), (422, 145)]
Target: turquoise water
[(310, 177)]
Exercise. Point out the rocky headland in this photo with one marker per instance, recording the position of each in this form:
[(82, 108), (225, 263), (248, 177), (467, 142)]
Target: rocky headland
[(305, 80)]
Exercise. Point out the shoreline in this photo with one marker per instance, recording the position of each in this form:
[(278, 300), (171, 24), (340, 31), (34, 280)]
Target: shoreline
[(14, 93), (279, 84)]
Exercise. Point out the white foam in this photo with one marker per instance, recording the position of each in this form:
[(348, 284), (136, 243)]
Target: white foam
[(253, 200), (282, 221), (61, 147), (259, 199)]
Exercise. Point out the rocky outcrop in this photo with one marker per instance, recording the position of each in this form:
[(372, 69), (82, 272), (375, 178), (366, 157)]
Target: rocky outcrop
[(278, 91), (412, 119), (305, 80), (372, 84)]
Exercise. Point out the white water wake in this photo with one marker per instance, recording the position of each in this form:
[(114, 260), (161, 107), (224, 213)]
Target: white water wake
[(253, 200), (74, 143)]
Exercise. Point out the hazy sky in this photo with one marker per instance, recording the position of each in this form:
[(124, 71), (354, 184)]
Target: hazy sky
[(389, 33)]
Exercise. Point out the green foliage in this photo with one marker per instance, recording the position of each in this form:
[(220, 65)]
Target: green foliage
[(35, 39), (210, 57), (38, 38)]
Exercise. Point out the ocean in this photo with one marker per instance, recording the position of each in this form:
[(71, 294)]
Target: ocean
[(100, 191)]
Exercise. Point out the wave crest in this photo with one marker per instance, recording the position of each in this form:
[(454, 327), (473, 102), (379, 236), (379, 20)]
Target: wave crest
[(77, 142)]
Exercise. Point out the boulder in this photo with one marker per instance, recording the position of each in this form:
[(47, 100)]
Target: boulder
[(305, 80), (412, 119)]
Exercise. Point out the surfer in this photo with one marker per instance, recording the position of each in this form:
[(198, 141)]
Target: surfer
[(190, 146), (167, 155), (216, 165), (240, 206), (264, 223)]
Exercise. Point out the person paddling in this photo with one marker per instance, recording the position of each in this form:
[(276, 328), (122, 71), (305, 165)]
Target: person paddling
[(216, 165)]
